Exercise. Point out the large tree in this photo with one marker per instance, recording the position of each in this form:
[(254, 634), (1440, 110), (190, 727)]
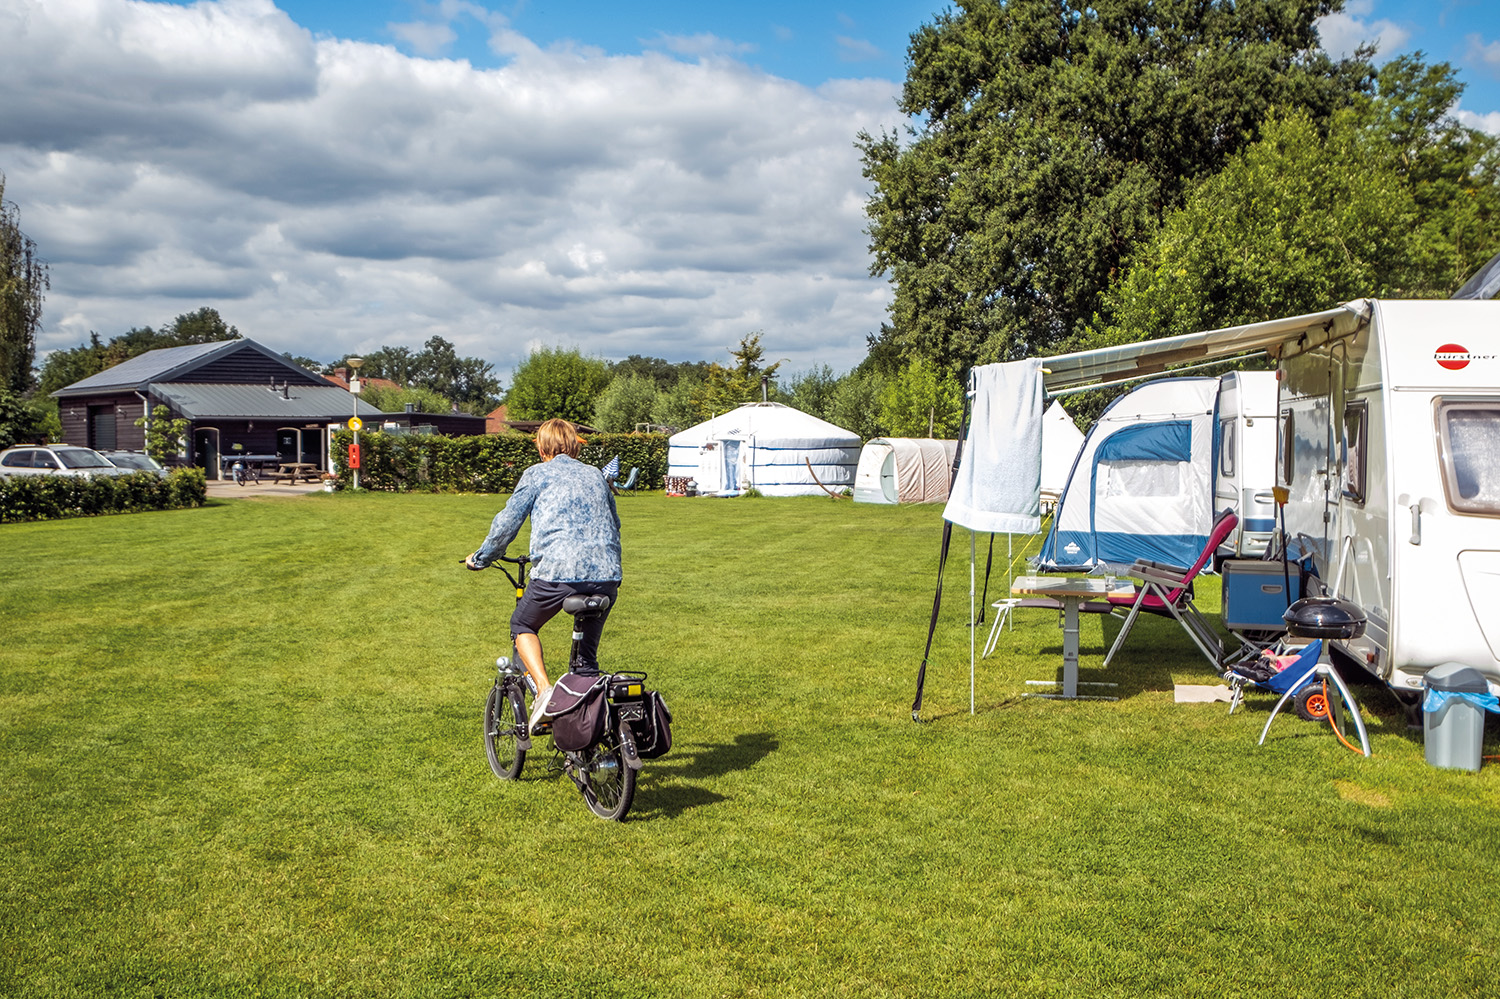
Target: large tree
[(1391, 198), (1051, 137), (23, 278)]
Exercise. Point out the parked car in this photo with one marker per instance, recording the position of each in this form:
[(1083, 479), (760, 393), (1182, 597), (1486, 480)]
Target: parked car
[(135, 461), (57, 459)]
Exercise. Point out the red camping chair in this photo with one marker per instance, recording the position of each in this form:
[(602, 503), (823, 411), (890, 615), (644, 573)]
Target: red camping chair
[(1167, 590)]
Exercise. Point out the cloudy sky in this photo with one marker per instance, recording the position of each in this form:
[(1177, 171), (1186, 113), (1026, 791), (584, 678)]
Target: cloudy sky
[(660, 177)]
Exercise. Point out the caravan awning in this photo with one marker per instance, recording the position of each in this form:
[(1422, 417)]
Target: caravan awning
[(1126, 362)]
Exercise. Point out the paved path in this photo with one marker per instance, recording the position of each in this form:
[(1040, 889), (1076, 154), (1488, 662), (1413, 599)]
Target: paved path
[(226, 489)]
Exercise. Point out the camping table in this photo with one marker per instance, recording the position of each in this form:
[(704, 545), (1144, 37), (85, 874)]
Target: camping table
[(1071, 591)]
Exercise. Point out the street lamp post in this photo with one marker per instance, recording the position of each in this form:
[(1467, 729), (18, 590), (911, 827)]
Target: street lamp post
[(355, 363)]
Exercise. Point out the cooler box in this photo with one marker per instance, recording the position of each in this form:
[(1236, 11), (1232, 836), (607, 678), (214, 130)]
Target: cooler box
[(1254, 594)]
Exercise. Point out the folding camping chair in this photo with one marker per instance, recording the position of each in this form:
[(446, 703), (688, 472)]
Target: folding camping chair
[(1167, 591)]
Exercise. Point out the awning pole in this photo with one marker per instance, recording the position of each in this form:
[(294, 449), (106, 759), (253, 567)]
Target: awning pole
[(971, 621)]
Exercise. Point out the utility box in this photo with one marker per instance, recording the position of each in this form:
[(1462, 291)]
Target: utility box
[(1254, 594), (1452, 724)]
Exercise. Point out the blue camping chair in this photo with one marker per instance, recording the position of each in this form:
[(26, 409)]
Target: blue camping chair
[(1251, 673)]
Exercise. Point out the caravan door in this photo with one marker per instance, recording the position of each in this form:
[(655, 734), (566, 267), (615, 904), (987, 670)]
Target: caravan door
[(1247, 459)]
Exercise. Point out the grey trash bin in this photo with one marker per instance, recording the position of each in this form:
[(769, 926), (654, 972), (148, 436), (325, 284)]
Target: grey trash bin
[(1453, 734)]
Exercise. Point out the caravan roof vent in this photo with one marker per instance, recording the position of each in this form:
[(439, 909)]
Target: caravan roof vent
[(1324, 617)]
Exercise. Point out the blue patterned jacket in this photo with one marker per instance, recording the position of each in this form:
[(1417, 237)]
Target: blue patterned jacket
[(575, 530)]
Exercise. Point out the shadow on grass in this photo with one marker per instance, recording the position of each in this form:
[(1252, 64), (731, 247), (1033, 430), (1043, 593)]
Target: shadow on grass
[(698, 761)]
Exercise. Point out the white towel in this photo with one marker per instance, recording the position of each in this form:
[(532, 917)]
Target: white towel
[(999, 482)]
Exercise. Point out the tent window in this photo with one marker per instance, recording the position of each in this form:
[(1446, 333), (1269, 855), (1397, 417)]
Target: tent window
[(1226, 446), (1146, 478), (1469, 433), (1356, 449)]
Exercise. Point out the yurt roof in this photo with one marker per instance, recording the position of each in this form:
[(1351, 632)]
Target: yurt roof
[(768, 421)]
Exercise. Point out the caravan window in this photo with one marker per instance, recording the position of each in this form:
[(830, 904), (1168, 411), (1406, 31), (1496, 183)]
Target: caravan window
[(1226, 446), (1469, 433), (1356, 448)]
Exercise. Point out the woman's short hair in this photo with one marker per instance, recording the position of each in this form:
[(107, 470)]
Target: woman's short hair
[(557, 437)]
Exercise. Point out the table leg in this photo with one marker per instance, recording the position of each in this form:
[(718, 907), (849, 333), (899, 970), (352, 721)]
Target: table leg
[(1070, 647)]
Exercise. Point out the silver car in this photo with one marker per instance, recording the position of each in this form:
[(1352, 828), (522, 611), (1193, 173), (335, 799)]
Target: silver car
[(135, 461), (57, 459)]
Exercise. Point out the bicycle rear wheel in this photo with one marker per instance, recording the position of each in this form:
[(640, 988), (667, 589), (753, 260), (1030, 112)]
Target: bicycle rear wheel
[(504, 727), (608, 784)]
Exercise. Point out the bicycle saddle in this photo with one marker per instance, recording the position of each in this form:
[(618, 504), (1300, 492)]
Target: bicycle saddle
[(580, 603)]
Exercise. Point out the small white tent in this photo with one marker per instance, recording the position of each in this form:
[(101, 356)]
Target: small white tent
[(904, 470), (1061, 440), (773, 448)]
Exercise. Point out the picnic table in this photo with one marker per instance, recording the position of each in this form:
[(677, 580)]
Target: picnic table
[(291, 471)]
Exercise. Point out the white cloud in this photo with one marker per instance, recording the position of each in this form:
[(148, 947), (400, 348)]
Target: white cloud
[(856, 49), (1342, 33), (328, 195), (428, 38), (1488, 122), (1486, 54)]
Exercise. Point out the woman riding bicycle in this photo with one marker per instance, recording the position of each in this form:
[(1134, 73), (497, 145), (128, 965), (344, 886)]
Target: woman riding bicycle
[(575, 547)]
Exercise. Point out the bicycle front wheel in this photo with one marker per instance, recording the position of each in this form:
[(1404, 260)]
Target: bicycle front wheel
[(504, 727), (608, 784)]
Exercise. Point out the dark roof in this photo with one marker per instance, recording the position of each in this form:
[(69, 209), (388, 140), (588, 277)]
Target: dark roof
[(178, 364), (298, 402)]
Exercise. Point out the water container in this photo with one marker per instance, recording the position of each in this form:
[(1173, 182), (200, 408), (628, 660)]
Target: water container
[(1453, 727)]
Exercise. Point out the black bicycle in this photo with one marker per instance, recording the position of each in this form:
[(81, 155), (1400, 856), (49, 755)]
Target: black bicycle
[(605, 768)]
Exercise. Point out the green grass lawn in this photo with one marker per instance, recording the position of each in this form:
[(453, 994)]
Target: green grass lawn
[(240, 754)]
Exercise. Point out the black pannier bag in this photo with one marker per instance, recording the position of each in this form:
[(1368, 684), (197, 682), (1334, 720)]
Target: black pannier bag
[(577, 710), (653, 733)]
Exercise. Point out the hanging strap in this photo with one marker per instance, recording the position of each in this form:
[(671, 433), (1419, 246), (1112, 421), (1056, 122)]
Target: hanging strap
[(984, 597), (937, 597)]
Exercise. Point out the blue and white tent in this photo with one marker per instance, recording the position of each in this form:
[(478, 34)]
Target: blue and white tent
[(1142, 486)]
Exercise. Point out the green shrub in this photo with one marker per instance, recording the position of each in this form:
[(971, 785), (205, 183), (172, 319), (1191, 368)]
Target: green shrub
[(54, 497), (490, 463)]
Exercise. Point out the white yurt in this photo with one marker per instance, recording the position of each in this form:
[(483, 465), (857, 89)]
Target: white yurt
[(773, 448), (904, 470)]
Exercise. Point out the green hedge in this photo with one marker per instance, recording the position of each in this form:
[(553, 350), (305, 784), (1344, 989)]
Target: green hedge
[(490, 463), (54, 497)]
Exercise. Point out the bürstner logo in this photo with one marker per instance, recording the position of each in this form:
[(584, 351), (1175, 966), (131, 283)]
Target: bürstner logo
[(1455, 357)]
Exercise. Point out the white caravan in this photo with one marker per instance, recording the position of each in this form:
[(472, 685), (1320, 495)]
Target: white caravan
[(1389, 416), (1247, 459)]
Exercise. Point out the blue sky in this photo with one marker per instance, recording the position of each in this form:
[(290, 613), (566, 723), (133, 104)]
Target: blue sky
[(655, 178), (806, 42), (815, 42)]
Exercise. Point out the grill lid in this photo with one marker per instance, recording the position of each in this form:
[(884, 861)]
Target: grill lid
[(1324, 617)]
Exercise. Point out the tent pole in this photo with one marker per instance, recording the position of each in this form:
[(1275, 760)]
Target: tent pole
[(971, 622)]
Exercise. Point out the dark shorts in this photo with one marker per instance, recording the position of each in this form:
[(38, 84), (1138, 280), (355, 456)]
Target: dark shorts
[(544, 598)]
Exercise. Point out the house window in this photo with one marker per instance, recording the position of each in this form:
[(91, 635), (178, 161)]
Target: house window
[(1469, 436), (1356, 449)]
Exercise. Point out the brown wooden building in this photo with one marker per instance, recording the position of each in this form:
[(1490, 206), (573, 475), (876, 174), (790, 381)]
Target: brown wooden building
[(231, 392)]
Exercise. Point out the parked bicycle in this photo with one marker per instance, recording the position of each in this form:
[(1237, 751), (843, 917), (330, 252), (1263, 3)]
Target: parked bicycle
[(603, 725)]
